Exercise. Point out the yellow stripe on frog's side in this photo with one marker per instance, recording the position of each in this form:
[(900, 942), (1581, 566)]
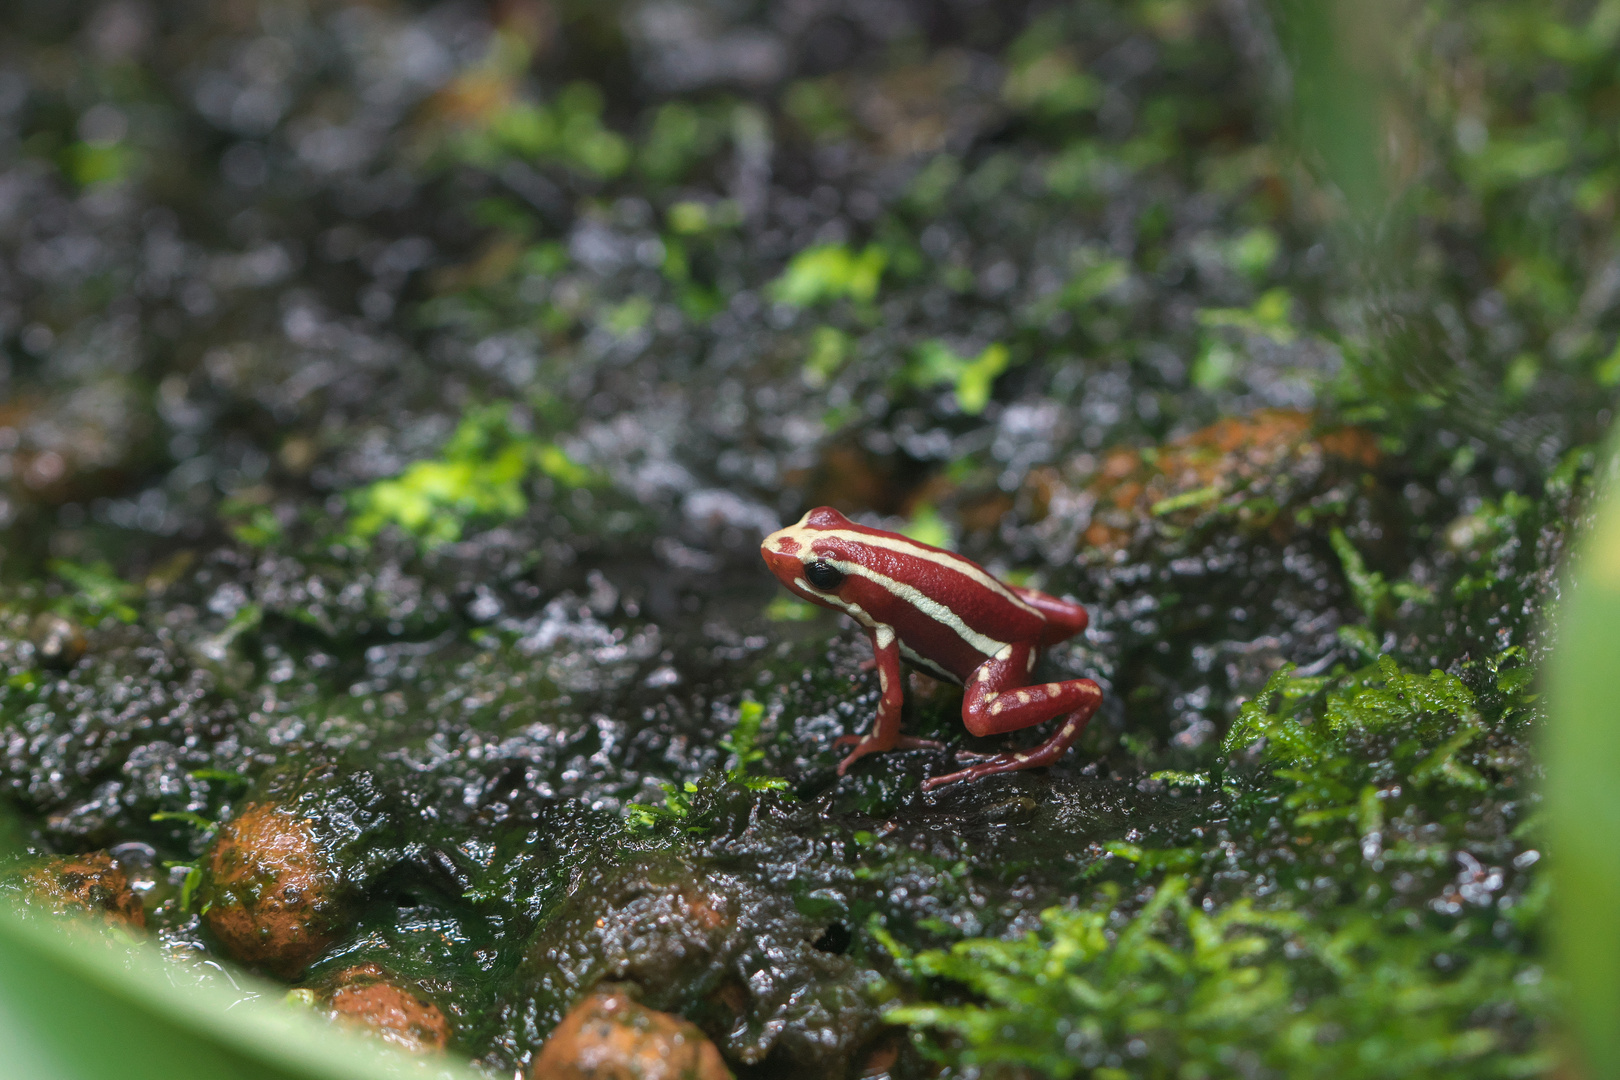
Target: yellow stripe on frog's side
[(805, 535)]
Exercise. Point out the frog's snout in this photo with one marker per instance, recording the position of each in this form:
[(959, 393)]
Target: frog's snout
[(780, 552), (778, 556)]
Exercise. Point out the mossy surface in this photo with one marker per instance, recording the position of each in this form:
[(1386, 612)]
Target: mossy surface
[(393, 397)]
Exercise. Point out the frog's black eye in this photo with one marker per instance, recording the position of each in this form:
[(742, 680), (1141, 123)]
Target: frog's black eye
[(823, 575)]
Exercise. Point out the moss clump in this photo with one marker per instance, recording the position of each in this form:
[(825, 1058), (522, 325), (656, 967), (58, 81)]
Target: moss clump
[(1188, 991), (479, 475), (1347, 786)]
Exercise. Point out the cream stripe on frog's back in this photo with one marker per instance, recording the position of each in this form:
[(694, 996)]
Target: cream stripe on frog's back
[(910, 549), (922, 603)]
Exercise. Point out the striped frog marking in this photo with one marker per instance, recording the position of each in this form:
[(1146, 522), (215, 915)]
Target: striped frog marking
[(947, 616)]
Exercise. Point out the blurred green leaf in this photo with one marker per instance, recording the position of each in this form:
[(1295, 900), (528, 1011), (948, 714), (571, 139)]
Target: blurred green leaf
[(1582, 753), (77, 1005), (829, 348), (927, 527), (98, 594), (1336, 94), (830, 272), (934, 362), (481, 473)]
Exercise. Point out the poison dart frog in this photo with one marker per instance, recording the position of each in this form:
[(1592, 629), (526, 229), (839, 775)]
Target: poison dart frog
[(947, 616)]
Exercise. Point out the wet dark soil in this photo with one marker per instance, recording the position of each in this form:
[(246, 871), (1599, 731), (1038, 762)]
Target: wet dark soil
[(393, 397)]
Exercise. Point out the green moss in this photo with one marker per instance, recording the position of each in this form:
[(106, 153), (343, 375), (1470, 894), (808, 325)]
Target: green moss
[(568, 132), (98, 593), (829, 348), (696, 806), (480, 474), (679, 137), (1198, 979), (829, 272), (1188, 990), (934, 363)]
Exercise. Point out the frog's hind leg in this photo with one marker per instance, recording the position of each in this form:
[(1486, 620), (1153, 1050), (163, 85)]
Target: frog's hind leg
[(885, 733), (999, 700)]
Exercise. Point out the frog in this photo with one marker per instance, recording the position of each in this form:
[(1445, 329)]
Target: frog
[(948, 617)]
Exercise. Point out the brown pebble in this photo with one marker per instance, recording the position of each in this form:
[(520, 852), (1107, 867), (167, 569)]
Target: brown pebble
[(74, 884), (366, 996), (271, 894), (608, 1036)]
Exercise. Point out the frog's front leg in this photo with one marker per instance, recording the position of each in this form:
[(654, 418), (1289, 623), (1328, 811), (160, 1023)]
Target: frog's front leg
[(999, 699), (885, 734)]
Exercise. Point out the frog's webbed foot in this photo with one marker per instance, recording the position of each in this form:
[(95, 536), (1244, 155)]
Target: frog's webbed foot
[(988, 765), (1035, 757), (867, 744)]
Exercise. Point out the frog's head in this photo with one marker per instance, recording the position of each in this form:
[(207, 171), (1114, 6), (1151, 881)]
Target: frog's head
[(806, 556)]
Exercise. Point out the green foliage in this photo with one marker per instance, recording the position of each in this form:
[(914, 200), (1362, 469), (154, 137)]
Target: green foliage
[(926, 526), (1044, 80), (743, 745), (76, 1003), (1306, 723), (480, 474), (934, 363), (818, 107), (567, 132), (1336, 100), (1186, 989), (694, 805), (829, 272), (829, 348), (1373, 594), (628, 316), (1252, 253), (933, 184), (98, 593), (1192, 983), (188, 817), (692, 218), (1480, 537), (1095, 279), (1268, 316), (1318, 772), (1582, 753), (1218, 359), (680, 136), (188, 888), (785, 608), (677, 809), (250, 523), (94, 163)]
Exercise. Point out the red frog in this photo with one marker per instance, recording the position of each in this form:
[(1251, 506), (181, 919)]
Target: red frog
[(947, 616)]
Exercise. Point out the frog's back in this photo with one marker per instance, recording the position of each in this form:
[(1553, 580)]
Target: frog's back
[(949, 613)]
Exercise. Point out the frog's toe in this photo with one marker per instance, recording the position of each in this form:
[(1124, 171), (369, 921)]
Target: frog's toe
[(988, 765), (860, 751)]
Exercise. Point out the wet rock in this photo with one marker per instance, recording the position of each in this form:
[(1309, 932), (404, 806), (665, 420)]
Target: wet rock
[(365, 995), (78, 885), (714, 940), (1260, 470), (610, 1036), (58, 642), (272, 896), (79, 442)]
